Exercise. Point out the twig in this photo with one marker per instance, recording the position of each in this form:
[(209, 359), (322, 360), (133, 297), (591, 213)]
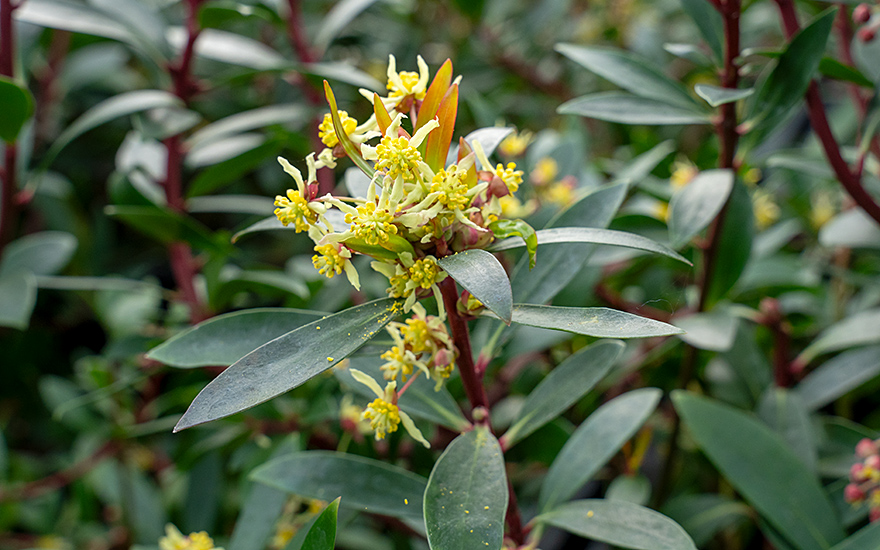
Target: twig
[(774, 320), (851, 181), (61, 478), (8, 210), (473, 386)]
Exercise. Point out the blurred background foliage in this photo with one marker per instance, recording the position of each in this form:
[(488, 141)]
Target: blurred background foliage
[(88, 281)]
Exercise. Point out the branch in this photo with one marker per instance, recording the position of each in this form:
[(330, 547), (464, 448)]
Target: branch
[(473, 386), (850, 180), (8, 209)]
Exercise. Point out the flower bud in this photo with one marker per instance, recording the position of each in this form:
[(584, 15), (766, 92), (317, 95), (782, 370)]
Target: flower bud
[(865, 448), (874, 514), (852, 493), (862, 14), (873, 462), (857, 472), (866, 34)]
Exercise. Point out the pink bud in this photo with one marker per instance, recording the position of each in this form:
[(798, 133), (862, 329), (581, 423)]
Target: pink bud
[(865, 448), (442, 358), (862, 13), (852, 493), (857, 472), (873, 462), (874, 514), (866, 34)]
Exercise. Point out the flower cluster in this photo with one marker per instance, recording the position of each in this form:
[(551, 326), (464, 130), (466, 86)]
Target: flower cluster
[(864, 477), (421, 345), (420, 205), (174, 540), (417, 208)]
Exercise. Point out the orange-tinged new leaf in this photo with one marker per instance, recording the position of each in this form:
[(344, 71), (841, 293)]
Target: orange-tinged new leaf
[(438, 141), (464, 149), (382, 116), (436, 92), (350, 148)]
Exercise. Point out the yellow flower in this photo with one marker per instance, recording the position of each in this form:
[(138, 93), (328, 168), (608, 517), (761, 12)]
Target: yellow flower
[(765, 208), (174, 540), (403, 84), (294, 208), (372, 224), (451, 187), (560, 193), (515, 144), (398, 361), (424, 272), (383, 413), (822, 208), (327, 132), (333, 260), (509, 175), (683, 172), (398, 158), (546, 170)]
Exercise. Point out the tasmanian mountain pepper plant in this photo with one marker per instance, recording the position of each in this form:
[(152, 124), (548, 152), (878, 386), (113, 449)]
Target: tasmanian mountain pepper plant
[(411, 275)]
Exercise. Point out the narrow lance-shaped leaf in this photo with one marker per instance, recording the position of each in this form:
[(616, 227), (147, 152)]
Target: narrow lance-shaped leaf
[(762, 468), (716, 96), (596, 236), (630, 109), (383, 119), (289, 361), (436, 92), (620, 524), (466, 497), (481, 274), (594, 443), (565, 384), (838, 376), (340, 15), (694, 206), (363, 483), (591, 321), (350, 148), (439, 139), (630, 72), (322, 535), (224, 339), (18, 105)]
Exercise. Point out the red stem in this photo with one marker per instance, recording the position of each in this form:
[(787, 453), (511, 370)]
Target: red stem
[(473, 385), (8, 209), (851, 181), (183, 265)]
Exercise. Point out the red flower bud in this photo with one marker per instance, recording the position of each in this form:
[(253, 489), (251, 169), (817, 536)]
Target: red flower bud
[(865, 448), (866, 34), (857, 472), (852, 493), (874, 514), (862, 13)]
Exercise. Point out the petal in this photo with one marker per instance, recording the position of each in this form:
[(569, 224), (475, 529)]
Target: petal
[(412, 430), (368, 381), (294, 173), (422, 133)]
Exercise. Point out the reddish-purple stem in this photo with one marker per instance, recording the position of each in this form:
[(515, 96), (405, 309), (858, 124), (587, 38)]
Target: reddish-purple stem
[(8, 209)]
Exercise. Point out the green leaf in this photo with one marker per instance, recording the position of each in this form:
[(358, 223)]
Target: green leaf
[(864, 539), (640, 167), (18, 295), (635, 489), (419, 400), (272, 223), (166, 226), (838, 376), (260, 511), (229, 47), (595, 236), (851, 229), (691, 52), (80, 18), (232, 169), (289, 361), (112, 108), (619, 524), (259, 205), (94, 283), (630, 109), (694, 206), (762, 468), (560, 264), (222, 150), (594, 443), (787, 83), (833, 68), (481, 274), (717, 96), (490, 138), (734, 245), (364, 484), (566, 383), (289, 114), (856, 330), (631, 72), (224, 339), (340, 15), (704, 515), (709, 23), (353, 151), (600, 322), (713, 331), (466, 497), (44, 253), (18, 106), (322, 535), (783, 410), (519, 228)]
